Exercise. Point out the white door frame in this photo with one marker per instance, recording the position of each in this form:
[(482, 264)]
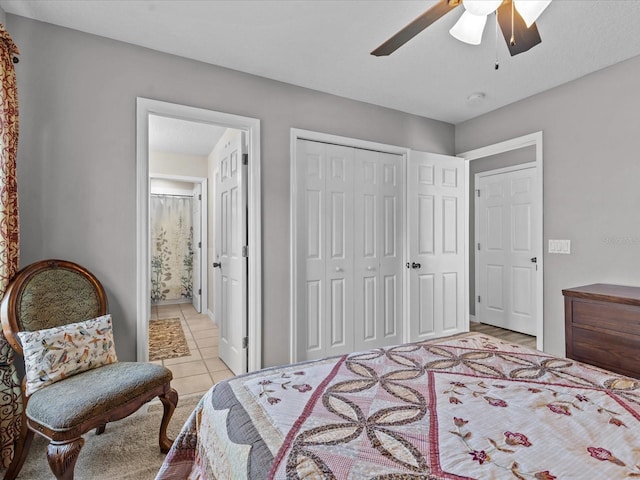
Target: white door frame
[(204, 216), (533, 139), (299, 134), (145, 107)]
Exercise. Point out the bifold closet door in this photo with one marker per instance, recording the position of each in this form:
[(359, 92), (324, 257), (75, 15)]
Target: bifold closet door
[(348, 249)]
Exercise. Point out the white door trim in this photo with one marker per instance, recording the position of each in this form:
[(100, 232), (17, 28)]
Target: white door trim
[(533, 139), (299, 134), (203, 231), (145, 107)]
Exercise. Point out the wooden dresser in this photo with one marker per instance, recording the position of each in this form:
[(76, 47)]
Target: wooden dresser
[(602, 326)]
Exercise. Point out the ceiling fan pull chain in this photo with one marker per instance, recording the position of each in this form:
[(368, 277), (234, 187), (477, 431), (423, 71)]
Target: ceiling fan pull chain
[(513, 14), (497, 64)]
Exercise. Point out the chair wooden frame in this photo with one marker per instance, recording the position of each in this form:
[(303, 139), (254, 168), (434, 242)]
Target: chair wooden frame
[(64, 447)]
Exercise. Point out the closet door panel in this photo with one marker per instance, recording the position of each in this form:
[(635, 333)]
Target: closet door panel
[(311, 249), (378, 253), (339, 249), (391, 234)]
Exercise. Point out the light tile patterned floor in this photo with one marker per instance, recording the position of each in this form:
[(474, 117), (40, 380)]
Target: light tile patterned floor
[(197, 372)]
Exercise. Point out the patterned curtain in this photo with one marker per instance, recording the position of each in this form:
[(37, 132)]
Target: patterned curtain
[(171, 248), (10, 395)]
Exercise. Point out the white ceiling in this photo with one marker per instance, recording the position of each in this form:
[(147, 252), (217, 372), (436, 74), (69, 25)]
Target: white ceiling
[(325, 45), (181, 136)]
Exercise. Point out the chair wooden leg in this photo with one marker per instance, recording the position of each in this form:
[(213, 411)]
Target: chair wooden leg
[(63, 456), (169, 402), (20, 451)]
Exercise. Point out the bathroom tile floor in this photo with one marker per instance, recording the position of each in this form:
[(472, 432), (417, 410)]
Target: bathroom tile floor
[(195, 373)]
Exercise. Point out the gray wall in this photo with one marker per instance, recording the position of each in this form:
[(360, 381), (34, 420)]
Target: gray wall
[(77, 155), (492, 162), (591, 179)]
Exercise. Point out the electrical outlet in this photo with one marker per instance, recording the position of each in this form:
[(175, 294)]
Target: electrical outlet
[(560, 246)]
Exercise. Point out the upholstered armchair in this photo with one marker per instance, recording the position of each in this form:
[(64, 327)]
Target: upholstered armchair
[(54, 313)]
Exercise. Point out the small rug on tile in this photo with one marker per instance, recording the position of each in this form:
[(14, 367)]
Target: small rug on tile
[(166, 339)]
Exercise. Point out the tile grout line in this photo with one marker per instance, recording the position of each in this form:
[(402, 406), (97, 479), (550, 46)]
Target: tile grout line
[(201, 362)]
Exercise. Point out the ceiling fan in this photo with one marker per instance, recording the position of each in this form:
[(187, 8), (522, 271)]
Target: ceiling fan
[(515, 17)]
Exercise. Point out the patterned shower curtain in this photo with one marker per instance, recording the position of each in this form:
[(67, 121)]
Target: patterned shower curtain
[(171, 248), (10, 395)]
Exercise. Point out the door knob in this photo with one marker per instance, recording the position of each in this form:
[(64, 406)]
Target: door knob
[(415, 265), (338, 269), (534, 260), (217, 264)]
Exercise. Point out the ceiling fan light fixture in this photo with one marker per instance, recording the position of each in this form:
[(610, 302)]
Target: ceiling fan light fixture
[(481, 7), (530, 10), (469, 28)]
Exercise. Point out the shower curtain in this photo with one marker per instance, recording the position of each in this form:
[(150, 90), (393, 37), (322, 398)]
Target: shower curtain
[(171, 248)]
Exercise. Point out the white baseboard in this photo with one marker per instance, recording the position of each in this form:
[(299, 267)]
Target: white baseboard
[(472, 318), (211, 317)]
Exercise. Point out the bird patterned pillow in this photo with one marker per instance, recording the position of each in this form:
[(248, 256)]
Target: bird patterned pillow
[(56, 353)]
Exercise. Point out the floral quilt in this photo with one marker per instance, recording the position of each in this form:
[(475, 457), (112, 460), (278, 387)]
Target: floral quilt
[(463, 407)]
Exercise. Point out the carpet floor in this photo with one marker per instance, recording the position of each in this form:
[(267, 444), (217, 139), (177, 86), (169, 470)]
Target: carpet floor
[(127, 450), (166, 339)]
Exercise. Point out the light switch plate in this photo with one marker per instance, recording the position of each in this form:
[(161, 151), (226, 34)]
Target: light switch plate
[(560, 246)]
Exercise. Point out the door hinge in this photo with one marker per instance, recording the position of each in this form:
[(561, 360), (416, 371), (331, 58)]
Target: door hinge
[(245, 159), (199, 197), (478, 298), (199, 244), (245, 342), (199, 291), (478, 246), (245, 251), (478, 193)]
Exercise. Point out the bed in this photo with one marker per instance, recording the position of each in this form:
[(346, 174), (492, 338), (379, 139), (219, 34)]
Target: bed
[(468, 406)]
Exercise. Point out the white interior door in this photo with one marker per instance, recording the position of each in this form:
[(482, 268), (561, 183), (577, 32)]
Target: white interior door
[(506, 279), (230, 291), (436, 245), (196, 275), (378, 254)]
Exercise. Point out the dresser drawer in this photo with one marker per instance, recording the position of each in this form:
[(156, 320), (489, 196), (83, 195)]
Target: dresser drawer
[(612, 351), (606, 316)]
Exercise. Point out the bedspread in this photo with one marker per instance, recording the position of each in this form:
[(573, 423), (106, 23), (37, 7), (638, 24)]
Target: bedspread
[(463, 407)]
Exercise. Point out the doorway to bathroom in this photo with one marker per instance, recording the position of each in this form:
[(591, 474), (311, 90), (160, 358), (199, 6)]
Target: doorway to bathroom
[(169, 181)]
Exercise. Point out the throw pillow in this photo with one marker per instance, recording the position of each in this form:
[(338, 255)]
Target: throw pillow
[(56, 353)]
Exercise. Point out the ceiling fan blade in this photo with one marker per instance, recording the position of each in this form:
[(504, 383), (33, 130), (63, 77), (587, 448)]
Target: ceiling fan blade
[(415, 27), (524, 38)]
